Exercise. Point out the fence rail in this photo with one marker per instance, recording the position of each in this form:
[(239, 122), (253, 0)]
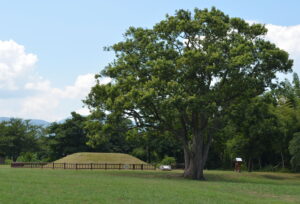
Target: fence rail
[(91, 166)]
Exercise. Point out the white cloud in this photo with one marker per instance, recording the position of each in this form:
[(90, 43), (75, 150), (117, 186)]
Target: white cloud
[(15, 64), (286, 37), (42, 106), (54, 103), (105, 80), (39, 85), (41, 99), (81, 86), (83, 111)]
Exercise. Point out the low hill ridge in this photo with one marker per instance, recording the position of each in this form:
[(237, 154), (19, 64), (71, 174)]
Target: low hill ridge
[(32, 121)]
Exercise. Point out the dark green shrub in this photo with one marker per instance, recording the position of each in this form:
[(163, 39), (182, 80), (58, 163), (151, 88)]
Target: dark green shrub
[(168, 161), (28, 157), (294, 149)]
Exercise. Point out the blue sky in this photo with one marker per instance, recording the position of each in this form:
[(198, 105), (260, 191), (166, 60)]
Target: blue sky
[(55, 47)]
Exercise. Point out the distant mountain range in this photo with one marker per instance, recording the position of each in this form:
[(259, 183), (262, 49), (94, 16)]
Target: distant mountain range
[(32, 121)]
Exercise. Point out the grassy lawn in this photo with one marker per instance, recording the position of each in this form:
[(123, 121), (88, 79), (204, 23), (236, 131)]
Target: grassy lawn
[(114, 186)]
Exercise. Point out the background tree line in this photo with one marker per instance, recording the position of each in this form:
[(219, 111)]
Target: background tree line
[(264, 131)]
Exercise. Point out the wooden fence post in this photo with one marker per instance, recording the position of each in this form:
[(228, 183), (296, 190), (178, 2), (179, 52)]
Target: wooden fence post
[(142, 167), (64, 165), (91, 166), (52, 165), (105, 166), (133, 166), (76, 166)]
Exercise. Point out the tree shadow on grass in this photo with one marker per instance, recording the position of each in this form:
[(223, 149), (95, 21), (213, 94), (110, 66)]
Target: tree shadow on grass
[(297, 175), (273, 177), (245, 178), (231, 178), (149, 174), (255, 177), (210, 177), (175, 175)]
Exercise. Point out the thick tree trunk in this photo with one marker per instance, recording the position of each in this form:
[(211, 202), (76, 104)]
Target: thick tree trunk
[(195, 168), (195, 159), (196, 150), (186, 158)]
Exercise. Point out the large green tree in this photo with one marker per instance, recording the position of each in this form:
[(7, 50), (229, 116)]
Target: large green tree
[(181, 76), (257, 130), (67, 138), (107, 132), (17, 136)]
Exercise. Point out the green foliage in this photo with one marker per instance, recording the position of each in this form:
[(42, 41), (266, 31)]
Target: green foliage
[(139, 152), (294, 149), (107, 132), (28, 157), (17, 136), (152, 147), (8, 161), (67, 138), (257, 128), (235, 146), (168, 161)]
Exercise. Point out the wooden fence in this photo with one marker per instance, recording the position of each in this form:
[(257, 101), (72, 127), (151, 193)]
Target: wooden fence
[(76, 166)]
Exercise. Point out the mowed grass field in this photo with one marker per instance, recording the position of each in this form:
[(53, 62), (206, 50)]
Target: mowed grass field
[(124, 186)]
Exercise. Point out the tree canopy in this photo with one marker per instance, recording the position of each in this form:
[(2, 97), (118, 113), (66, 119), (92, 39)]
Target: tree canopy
[(17, 136)]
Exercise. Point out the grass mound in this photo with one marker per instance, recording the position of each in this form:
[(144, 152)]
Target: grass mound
[(92, 157)]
